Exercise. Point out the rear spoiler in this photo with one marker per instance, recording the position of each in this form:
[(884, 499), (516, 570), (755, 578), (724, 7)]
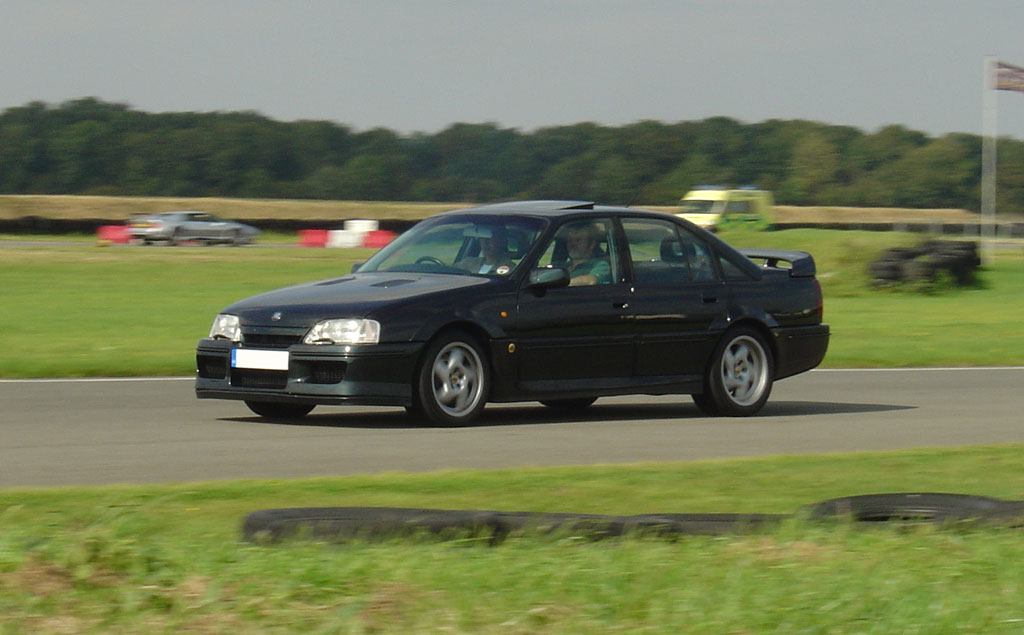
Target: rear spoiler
[(801, 263)]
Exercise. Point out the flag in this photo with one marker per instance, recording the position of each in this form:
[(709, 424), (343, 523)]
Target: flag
[(1009, 77)]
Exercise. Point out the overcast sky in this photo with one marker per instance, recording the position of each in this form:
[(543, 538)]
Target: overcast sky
[(415, 65)]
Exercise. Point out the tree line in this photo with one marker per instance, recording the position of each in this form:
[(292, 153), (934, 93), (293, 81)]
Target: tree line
[(88, 146)]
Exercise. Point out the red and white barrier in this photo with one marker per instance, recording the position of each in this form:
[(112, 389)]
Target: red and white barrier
[(357, 233), (344, 238), (378, 238), (112, 234), (312, 238)]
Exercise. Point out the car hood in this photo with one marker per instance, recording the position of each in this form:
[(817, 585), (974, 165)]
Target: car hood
[(355, 295)]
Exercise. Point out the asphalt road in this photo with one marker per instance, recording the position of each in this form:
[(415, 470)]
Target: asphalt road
[(66, 432)]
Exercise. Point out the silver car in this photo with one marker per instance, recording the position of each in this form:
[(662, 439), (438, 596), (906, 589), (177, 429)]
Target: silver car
[(176, 228)]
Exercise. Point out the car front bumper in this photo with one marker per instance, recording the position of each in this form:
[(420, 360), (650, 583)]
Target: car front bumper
[(381, 374)]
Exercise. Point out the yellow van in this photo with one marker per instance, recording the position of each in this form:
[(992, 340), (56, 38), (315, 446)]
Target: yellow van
[(710, 206)]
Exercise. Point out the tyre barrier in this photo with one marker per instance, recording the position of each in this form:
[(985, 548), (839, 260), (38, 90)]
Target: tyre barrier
[(926, 507), (956, 258), (366, 523)]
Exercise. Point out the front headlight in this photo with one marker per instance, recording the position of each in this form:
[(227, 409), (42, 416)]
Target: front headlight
[(226, 327), (344, 331)]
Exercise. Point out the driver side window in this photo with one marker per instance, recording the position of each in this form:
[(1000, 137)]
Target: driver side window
[(586, 249)]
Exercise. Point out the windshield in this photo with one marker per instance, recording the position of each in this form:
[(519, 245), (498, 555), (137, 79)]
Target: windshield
[(492, 246), (699, 207)]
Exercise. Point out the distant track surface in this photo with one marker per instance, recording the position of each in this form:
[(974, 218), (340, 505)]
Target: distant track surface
[(104, 431)]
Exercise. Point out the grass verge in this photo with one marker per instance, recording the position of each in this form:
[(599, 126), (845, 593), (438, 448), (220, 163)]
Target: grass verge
[(163, 558)]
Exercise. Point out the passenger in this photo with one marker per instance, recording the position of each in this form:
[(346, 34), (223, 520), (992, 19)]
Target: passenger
[(586, 266)]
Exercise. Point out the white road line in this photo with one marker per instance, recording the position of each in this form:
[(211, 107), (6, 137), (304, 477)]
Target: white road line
[(915, 369)]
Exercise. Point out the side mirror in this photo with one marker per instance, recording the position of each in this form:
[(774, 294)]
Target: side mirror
[(355, 266), (545, 278)]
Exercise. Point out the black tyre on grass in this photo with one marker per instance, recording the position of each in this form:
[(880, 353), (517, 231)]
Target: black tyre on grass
[(886, 269), (918, 507)]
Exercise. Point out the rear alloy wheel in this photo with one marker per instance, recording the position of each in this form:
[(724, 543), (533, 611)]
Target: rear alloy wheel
[(740, 375), (274, 410), (452, 382)]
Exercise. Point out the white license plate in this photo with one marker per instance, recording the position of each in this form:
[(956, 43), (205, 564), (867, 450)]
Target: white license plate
[(262, 360)]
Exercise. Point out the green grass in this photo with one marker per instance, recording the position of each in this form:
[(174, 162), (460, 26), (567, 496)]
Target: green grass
[(168, 558), (70, 311), (975, 327), (108, 311)]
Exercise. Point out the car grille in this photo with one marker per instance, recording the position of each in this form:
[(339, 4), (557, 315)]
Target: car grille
[(249, 378), (327, 372), (211, 367), (271, 340)]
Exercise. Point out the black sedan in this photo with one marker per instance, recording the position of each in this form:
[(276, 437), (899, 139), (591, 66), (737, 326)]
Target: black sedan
[(560, 302)]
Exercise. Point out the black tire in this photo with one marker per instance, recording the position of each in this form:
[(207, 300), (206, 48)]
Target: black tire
[(919, 507), (569, 404), (900, 254), (739, 377), (176, 238), (274, 410), (269, 526), (885, 269), (705, 403), (453, 380), (919, 270), (414, 413)]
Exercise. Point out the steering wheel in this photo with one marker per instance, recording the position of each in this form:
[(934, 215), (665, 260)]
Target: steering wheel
[(431, 260)]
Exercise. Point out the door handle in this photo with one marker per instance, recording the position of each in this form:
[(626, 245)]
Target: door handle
[(710, 299), (620, 304)]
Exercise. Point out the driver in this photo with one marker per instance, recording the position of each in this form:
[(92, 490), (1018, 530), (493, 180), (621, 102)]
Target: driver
[(586, 266)]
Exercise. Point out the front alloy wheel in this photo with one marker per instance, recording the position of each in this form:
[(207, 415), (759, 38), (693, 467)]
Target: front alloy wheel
[(452, 383), (739, 378)]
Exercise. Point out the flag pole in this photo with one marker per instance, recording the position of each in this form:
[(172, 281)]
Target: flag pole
[(988, 161)]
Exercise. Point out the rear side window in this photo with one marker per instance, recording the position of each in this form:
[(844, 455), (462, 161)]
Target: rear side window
[(661, 252), (731, 271), (699, 256)]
